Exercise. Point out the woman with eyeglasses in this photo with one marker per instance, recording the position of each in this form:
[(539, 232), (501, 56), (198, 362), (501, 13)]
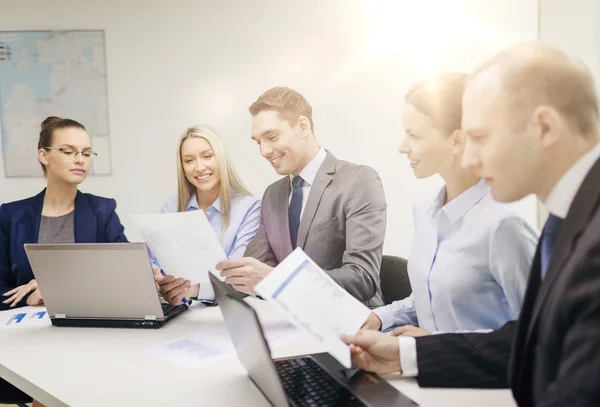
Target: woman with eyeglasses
[(58, 214), (208, 181)]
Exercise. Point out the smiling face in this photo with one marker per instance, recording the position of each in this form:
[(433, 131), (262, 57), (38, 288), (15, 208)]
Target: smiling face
[(69, 158), (284, 145), (429, 151), (200, 164)]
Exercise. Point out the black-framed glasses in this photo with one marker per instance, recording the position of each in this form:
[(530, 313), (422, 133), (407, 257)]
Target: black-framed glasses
[(72, 152)]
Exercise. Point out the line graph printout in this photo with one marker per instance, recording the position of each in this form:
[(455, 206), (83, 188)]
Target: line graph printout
[(314, 302)]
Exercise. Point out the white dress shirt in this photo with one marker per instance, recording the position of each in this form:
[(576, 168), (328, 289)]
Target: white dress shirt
[(561, 197), (308, 175), (468, 268)]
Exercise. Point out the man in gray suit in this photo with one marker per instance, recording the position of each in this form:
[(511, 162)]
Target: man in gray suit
[(332, 209)]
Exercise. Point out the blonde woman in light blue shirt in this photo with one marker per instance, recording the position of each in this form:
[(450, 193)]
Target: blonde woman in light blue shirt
[(470, 256), (207, 181)]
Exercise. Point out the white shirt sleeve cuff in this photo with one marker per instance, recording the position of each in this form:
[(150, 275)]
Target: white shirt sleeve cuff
[(386, 316), (407, 346), (206, 292)]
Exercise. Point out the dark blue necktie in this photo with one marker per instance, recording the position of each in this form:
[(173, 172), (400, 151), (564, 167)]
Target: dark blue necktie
[(548, 239), (295, 209)]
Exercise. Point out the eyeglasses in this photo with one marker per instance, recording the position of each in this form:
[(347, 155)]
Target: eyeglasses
[(72, 152)]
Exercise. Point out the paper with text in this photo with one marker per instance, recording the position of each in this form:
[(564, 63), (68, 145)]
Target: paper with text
[(314, 302), (184, 243), (215, 344)]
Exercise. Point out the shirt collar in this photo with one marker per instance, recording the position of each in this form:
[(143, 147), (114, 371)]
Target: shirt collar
[(309, 173), (193, 205), (562, 195), (459, 206)]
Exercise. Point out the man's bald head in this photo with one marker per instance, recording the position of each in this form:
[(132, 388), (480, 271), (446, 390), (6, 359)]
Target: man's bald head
[(531, 75), (528, 114)]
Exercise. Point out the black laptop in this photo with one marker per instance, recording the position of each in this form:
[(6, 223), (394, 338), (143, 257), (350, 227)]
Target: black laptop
[(310, 380)]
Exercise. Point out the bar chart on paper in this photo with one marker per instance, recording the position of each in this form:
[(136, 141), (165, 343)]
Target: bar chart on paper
[(23, 318)]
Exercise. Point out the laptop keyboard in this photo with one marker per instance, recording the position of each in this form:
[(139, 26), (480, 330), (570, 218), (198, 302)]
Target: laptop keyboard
[(171, 310), (307, 384)]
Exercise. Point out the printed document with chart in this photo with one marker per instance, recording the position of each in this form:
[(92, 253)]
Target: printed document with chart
[(314, 302)]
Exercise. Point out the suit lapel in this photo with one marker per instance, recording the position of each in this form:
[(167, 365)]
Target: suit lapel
[(582, 209), (322, 180), (282, 196), (85, 231), (516, 364), (32, 217)]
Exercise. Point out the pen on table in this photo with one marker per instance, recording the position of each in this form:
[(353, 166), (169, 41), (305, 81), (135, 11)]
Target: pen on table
[(183, 300)]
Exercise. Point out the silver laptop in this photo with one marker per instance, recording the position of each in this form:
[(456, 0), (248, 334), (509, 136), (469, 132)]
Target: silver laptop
[(308, 380), (99, 285)]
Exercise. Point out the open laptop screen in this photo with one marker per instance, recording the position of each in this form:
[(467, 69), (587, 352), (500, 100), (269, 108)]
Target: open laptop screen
[(250, 344)]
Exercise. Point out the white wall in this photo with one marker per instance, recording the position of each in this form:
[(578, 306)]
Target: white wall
[(574, 26), (184, 62)]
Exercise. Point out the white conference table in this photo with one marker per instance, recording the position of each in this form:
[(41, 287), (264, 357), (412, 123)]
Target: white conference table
[(111, 367)]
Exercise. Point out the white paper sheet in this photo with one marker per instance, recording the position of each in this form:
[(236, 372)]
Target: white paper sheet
[(213, 345), (194, 351), (24, 318), (314, 302), (184, 243)]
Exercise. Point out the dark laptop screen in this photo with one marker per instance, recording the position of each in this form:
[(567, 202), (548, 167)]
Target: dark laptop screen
[(250, 345)]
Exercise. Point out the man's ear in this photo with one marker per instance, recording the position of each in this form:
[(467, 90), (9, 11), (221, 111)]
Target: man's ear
[(458, 141), (549, 125), (304, 125)]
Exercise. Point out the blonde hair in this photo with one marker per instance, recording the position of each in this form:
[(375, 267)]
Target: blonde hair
[(289, 103), (230, 181), (440, 99)]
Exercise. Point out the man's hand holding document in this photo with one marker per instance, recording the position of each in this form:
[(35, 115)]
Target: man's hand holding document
[(314, 302)]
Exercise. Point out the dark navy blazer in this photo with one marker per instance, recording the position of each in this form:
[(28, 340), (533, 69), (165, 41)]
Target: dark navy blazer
[(95, 222)]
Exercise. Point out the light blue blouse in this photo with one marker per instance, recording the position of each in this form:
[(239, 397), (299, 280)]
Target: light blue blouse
[(468, 265)]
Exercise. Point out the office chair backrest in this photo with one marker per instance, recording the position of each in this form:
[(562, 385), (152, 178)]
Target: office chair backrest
[(395, 284)]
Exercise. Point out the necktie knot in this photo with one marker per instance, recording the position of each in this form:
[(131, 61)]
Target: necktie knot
[(297, 181), (552, 225)]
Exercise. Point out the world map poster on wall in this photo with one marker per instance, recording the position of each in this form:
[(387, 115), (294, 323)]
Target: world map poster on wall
[(51, 73)]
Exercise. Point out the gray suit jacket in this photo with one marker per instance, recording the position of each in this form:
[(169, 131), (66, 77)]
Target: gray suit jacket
[(342, 226)]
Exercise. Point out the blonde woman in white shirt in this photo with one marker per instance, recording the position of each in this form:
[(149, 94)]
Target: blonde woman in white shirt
[(471, 256)]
